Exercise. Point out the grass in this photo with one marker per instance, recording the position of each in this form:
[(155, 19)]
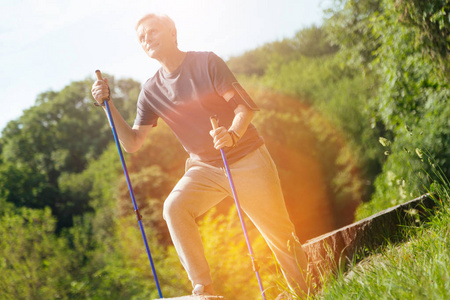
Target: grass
[(416, 269)]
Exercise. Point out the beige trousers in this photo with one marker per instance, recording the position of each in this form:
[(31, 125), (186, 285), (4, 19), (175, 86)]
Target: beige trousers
[(258, 188)]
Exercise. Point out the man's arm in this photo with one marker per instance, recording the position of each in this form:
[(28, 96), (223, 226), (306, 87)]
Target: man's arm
[(130, 138), (243, 115)]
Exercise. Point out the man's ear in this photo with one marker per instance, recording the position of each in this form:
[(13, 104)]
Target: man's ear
[(173, 34)]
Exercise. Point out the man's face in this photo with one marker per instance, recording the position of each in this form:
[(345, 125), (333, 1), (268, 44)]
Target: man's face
[(155, 38)]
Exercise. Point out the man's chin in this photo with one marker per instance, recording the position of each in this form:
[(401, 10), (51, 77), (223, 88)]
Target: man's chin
[(152, 54)]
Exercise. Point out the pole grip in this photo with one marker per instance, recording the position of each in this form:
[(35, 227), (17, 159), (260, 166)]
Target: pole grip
[(99, 77), (214, 122), (99, 74)]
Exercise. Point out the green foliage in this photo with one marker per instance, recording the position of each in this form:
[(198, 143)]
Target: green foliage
[(431, 20), (52, 140), (310, 42), (20, 185), (350, 27), (304, 143), (409, 171), (34, 263), (417, 269), (340, 92), (405, 41)]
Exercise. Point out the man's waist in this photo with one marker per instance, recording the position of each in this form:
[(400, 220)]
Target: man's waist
[(233, 154)]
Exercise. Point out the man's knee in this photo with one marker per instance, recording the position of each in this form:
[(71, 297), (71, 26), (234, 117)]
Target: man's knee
[(172, 208)]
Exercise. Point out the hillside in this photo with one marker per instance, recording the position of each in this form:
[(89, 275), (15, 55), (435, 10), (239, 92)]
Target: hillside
[(417, 268)]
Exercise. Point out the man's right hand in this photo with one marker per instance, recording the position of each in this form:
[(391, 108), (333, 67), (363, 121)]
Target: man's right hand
[(100, 90)]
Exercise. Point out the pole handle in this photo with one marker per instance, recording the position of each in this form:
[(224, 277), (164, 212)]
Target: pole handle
[(99, 77), (214, 122), (99, 74)]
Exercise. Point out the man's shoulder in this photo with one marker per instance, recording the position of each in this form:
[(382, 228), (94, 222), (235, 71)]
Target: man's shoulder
[(198, 57), (152, 80), (203, 55), (199, 53)]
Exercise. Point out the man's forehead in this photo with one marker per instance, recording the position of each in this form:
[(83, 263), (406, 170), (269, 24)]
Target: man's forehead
[(148, 24)]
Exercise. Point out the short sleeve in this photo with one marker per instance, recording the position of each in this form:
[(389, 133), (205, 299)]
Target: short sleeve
[(224, 80), (221, 76), (144, 114)]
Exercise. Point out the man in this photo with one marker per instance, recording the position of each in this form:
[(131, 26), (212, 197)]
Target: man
[(188, 89)]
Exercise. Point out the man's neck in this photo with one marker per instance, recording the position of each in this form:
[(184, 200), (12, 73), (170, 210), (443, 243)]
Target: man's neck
[(172, 61)]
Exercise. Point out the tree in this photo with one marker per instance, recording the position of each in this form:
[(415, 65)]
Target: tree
[(34, 263), (309, 42), (59, 135), (405, 46), (430, 18)]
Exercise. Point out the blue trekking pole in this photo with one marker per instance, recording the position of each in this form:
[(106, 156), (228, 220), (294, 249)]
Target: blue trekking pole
[(215, 125), (130, 188)]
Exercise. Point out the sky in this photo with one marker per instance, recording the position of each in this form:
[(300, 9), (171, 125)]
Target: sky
[(47, 44)]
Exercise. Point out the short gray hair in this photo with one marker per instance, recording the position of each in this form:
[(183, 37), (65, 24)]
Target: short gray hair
[(164, 19)]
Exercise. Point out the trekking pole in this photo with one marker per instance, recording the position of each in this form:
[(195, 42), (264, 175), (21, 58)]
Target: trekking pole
[(215, 125), (130, 188)]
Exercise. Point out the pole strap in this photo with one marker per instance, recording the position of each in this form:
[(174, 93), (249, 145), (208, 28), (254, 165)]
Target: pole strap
[(138, 215)]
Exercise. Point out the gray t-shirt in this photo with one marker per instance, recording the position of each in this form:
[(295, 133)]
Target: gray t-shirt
[(186, 99)]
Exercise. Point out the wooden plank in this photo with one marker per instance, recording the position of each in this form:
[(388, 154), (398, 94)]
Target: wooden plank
[(328, 251)]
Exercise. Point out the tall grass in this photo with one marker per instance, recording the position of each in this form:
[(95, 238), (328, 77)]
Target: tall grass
[(416, 269)]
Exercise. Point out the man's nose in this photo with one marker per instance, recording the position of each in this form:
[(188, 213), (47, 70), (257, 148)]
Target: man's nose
[(147, 38)]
